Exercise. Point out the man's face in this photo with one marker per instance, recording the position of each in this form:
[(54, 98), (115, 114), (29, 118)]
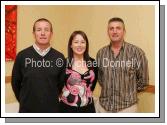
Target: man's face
[(116, 31), (42, 32)]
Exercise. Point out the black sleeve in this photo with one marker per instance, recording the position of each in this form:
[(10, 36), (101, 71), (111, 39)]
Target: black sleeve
[(17, 76), (95, 67), (61, 77)]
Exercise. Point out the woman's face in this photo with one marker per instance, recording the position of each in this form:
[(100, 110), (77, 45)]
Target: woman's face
[(78, 45)]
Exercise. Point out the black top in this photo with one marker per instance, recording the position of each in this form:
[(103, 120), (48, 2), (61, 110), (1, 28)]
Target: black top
[(37, 80), (77, 94)]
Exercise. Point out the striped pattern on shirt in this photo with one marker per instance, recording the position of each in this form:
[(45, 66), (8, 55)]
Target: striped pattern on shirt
[(121, 77)]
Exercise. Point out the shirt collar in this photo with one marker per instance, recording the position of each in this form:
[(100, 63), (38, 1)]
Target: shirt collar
[(40, 51), (122, 47)]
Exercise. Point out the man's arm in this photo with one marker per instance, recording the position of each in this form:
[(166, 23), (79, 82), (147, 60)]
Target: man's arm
[(100, 71), (61, 77), (17, 77), (142, 73)]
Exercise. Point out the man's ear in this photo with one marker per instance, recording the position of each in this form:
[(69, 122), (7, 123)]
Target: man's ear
[(33, 33), (124, 32), (51, 34)]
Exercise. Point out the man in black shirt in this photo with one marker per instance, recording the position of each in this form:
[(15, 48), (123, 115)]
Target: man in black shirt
[(38, 73)]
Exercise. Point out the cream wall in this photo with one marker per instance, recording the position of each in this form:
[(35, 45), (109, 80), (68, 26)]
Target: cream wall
[(139, 21)]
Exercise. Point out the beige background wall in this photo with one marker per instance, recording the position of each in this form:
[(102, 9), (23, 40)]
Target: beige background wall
[(139, 21)]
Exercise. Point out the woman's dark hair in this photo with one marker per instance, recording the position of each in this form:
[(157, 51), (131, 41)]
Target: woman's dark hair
[(70, 51)]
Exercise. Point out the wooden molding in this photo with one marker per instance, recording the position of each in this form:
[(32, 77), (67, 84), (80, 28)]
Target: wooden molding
[(150, 88), (7, 79)]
